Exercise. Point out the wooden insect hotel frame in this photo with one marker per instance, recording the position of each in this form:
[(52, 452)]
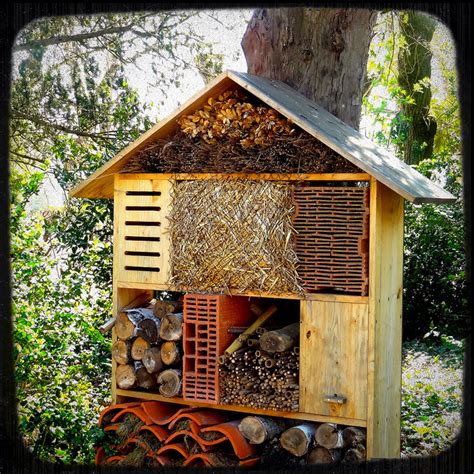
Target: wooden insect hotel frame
[(344, 247)]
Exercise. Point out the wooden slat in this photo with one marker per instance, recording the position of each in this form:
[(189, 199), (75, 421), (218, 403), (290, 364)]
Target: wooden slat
[(145, 395), (355, 299), (385, 323), (252, 176), (333, 358), (342, 138), (124, 298)]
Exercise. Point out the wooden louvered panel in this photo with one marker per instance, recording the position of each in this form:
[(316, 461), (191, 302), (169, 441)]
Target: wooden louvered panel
[(141, 241), (332, 230)]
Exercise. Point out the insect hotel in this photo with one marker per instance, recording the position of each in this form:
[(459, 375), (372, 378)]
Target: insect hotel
[(257, 284)]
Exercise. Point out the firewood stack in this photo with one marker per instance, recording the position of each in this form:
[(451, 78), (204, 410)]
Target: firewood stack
[(157, 434), (149, 348), (265, 373)]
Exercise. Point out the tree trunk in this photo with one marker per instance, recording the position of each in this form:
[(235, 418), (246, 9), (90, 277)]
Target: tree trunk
[(417, 129), (321, 53), (258, 429), (280, 340)]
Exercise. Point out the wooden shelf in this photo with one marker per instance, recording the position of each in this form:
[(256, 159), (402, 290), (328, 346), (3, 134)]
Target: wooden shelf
[(253, 176), (147, 395), (258, 294)]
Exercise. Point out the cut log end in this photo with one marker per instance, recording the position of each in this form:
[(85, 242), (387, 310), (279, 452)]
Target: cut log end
[(125, 376), (170, 382), (297, 439), (139, 346), (121, 352), (329, 436), (170, 353), (280, 340), (259, 429), (152, 360), (321, 455), (171, 328)]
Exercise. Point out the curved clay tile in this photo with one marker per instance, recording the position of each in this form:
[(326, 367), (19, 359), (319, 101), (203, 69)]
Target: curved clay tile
[(179, 448), (174, 438), (113, 427), (160, 432), (137, 411), (202, 417), (99, 456), (115, 408), (114, 459), (242, 448), (134, 440), (163, 413)]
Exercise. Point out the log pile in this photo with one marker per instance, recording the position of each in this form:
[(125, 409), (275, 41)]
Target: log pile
[(262, 375), (149, 347), (160, 434)]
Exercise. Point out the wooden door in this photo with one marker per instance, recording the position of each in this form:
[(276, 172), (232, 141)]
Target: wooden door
[(333, 358)]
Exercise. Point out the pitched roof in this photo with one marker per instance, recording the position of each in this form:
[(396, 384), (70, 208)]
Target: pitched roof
[(342, 138)]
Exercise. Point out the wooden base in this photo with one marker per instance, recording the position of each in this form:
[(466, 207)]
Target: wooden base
[(148, 395)]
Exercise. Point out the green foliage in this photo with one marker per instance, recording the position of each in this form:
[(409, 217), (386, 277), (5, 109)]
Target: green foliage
[(431, 395), (434, 260)]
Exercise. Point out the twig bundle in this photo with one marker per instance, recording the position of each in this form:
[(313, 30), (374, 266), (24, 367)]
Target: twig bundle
[(232, 234), (297, 153)]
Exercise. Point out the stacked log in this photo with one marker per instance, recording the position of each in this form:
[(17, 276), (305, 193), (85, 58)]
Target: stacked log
[(149, 347), (199, 437), (257, 378)]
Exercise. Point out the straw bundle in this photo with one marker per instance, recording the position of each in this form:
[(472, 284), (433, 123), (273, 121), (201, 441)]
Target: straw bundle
[(232, 235)]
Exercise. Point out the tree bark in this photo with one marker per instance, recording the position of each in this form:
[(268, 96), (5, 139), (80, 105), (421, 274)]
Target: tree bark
[(321, 53), (417, 128)]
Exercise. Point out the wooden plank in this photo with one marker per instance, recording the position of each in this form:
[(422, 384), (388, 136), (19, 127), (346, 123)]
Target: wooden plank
[(333, 358), (146, 395), (137, 216), (124, 298), (252, 176), (385, 322), (354, 299), (342, 138)]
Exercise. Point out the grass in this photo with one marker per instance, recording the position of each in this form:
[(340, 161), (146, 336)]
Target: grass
[(432, 381)]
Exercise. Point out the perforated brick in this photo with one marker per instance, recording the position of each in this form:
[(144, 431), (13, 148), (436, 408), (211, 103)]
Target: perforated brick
[(332, 235), (207, 319)]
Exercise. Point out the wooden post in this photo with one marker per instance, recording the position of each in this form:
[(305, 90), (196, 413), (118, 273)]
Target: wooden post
[(385, 322)]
